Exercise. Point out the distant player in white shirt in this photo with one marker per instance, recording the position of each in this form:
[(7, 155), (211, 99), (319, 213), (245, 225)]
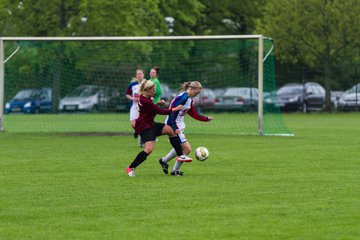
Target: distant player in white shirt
[(177, 121), (132, 94)]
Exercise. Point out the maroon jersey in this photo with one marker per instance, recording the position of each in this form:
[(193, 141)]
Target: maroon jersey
[(148, 111)]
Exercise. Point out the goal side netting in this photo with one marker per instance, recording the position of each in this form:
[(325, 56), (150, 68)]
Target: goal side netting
[(79, 84)]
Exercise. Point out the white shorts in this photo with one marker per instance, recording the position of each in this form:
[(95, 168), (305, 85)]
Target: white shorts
[(182, 136), (134, 112)]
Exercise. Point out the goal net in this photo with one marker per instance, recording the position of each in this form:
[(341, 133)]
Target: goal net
[(79, 84)]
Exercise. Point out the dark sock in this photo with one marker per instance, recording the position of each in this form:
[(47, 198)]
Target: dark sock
[(175, 142), (139, 159)]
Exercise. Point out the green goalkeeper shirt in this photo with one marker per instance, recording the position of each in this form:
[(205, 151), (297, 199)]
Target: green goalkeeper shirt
[(158, 91)]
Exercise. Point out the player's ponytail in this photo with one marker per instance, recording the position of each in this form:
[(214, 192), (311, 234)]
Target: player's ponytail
[(157, 70), (146, 85), (186, 85)]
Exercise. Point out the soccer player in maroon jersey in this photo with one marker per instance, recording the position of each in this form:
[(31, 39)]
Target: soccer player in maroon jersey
[(148, 129)]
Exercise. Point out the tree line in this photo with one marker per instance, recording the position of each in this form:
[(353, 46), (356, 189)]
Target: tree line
[(315, 40)]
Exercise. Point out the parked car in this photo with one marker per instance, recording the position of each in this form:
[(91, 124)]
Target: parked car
[(90, 98), (122, 104), (237, 99), (219, 92), (350, 99), (32, 100), (168, 94), (205, 100), (335, 97), (305, 97)]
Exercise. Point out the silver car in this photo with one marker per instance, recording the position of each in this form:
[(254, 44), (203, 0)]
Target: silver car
[(350, 99), (90, 98), (238, 99)]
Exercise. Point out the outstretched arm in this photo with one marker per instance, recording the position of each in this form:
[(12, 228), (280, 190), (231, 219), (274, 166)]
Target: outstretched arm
[(194, 114)]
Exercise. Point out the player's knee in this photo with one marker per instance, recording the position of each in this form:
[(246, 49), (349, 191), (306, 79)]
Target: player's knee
[(187, 150), (148, 150)]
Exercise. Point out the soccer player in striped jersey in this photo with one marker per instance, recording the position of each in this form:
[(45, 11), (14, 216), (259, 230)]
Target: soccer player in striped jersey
[(132, 94), (177, 121), (149, 130)]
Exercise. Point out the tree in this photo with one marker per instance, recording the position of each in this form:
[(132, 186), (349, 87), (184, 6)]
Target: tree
[(229, 17), (315, 32)]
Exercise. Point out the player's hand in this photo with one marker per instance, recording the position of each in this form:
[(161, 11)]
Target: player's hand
[(161, 102), (210, 118), (177, 131), (175, 109)]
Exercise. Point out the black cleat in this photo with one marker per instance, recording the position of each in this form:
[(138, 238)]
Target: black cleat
[(164, 166), (135, 135), (177, 173)]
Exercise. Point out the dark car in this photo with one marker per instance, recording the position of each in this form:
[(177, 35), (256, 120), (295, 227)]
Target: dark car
[(168, 94), (32, 100), (304, 97)]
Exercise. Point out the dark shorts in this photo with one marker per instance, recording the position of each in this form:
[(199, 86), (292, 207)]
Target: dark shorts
[(150, 134)]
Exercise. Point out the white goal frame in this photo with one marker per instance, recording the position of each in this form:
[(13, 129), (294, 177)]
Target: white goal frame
[(261, 59)]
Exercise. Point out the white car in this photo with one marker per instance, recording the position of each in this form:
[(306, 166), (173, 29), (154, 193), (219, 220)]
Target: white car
[(89, 98), (350, 99)]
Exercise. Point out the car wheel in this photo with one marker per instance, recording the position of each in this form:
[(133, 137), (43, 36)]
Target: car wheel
[(305, 108), (95, 108)]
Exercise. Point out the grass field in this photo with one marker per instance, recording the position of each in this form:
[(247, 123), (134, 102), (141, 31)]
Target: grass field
[(56, 186)]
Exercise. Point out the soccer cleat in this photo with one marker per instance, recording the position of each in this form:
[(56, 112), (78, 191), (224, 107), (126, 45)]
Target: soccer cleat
[(177, 173), (135, 135), (184, 158), (164, 166), (130, 171)]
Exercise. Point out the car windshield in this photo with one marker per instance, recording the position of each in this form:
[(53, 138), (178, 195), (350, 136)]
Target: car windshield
[(237, 92), (290, 90), (24, 94), (84, 92), (355, 89)]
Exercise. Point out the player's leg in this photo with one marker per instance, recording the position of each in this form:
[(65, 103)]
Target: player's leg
[(134, 114), (149, 139), (177, 165), (175, 142), (172, 152)]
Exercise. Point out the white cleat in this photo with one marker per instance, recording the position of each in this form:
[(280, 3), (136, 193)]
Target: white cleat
[(130, 171), (184, 158)]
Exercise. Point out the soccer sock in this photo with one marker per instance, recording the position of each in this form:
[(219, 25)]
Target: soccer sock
[(176, 145), (177, 166), (139, 159), (169, 156)]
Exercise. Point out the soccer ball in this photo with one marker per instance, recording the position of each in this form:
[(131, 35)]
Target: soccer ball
[(201, 153)]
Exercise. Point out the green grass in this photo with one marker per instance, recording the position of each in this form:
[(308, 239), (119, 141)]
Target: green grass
[(55, 186)]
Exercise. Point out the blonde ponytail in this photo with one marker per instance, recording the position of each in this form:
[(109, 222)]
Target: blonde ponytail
[(186, 85), (146, 85)]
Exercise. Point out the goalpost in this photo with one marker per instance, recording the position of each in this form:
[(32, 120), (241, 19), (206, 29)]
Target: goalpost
[(52, 69)]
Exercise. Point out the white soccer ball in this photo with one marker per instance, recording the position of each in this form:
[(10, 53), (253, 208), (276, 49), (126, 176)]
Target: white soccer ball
[(201, 153)]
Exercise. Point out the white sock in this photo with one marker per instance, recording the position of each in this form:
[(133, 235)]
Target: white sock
[(177, 166), (169, 156)]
